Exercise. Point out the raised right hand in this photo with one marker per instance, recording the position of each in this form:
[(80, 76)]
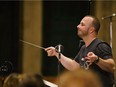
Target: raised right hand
[(51, 51)]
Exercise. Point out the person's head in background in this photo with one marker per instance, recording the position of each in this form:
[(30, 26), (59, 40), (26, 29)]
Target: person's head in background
[(31, 80), (79, 78), (12, 80)]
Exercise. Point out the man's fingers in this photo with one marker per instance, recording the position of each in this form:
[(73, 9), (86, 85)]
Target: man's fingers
[(90, 54), (49, 48)]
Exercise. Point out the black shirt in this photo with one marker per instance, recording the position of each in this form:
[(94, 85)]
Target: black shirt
[(102, 50)]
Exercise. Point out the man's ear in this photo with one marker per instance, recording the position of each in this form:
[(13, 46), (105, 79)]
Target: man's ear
[(92, 29)]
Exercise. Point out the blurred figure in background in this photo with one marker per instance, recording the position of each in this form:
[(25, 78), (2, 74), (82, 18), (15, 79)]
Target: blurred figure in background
[(24, 80), (12, 80), (79, 78), (31, 80)]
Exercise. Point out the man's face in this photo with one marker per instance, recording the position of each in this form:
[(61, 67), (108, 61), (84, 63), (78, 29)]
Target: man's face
[(84, 26)]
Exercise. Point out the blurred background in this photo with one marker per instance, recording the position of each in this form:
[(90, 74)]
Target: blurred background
[(46, 23)]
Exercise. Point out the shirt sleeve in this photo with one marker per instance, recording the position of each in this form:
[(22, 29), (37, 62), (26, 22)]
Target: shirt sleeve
[(104, 50)]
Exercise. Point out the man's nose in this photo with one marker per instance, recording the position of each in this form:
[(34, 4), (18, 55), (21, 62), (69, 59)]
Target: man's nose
[(77, 26)]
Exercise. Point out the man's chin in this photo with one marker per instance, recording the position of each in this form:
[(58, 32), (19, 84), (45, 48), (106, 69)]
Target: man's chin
[(79, 35)]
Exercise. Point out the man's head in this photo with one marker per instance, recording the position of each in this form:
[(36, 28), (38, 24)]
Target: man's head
[(79, 78), (88, 25), (31, 80), (95, 23), (12, 80)]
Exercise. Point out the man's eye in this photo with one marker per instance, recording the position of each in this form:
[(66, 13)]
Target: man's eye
[(82, 24)]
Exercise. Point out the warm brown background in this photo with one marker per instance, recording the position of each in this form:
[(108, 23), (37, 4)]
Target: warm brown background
[(101, 9)]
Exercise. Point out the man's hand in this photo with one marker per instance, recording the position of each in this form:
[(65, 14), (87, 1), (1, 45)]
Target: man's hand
[(91, 57), (51, 51)]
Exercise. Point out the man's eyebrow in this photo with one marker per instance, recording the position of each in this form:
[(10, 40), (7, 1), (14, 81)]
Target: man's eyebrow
[(81, 22)]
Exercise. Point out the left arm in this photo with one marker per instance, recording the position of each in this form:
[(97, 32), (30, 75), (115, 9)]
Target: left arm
[(105, 64)]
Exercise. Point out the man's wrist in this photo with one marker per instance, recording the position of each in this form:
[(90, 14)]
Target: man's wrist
[(58, 55), (97, 60)]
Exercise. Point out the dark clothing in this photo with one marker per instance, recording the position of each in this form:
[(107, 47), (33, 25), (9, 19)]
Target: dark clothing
[(102, 50)]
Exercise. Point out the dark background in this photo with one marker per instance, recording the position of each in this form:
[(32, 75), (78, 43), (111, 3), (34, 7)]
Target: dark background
[(60, 20), (9, 36)]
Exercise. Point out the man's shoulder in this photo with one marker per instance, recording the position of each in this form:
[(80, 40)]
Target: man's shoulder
[(101, 43)]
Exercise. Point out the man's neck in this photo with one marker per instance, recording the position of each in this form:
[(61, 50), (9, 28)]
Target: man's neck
[(88, 40)]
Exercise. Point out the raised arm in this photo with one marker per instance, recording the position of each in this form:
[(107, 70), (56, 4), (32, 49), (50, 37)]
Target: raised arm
[(68, 63)]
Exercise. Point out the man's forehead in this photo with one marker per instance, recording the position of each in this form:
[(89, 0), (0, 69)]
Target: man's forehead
[(87, 18)]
